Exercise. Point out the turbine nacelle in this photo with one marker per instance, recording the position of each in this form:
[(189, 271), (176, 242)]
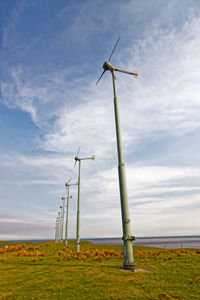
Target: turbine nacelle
[(69, 184), (107, 66), (83, 158)]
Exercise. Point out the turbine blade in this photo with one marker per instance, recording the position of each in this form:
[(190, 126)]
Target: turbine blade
[(114, 48), (100, 77), (78, 151), (134, 73), (68, 181), (76, 156)]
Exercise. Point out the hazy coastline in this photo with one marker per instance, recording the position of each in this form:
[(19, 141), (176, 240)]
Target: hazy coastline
[(158, 242)]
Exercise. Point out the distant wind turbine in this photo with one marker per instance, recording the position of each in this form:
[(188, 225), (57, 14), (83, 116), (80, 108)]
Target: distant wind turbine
[(79, 159), (67, 207)]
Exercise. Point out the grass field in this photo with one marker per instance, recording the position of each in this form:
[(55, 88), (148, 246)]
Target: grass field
[(53, 271)]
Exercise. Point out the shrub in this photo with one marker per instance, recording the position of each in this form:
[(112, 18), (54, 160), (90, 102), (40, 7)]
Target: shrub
[(2, 250), (183, 251), (26, 253), (10, 248), (30, 247)]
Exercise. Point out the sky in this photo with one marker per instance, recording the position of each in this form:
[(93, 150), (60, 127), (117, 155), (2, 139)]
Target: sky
[(51, 55)]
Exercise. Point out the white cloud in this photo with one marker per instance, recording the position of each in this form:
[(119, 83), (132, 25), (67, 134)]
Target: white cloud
[(163, 101)]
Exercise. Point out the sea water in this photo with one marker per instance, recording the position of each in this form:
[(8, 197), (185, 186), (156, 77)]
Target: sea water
[(168, 242)]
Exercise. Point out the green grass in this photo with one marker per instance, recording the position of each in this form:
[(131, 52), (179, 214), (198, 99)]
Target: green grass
[(55, 272)]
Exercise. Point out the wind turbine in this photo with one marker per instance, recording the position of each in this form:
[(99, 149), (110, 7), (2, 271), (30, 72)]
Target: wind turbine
[(62, 207), (67, 210), (79, 159), (61, 223), (58, 233), (129, 263)]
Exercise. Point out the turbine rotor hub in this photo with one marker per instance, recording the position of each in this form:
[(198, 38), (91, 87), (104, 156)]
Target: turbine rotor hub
[(107, 66)]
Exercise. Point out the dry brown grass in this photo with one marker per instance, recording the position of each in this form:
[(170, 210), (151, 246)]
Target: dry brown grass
[(90, 255), (26, 253)]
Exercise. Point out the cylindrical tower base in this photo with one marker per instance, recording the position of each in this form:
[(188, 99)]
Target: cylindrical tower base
[(78, 246)]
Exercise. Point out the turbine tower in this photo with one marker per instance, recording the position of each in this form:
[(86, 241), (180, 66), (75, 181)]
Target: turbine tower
[(61, 221), (58, 233), (79, 159), (67, 210), (129, 262)]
